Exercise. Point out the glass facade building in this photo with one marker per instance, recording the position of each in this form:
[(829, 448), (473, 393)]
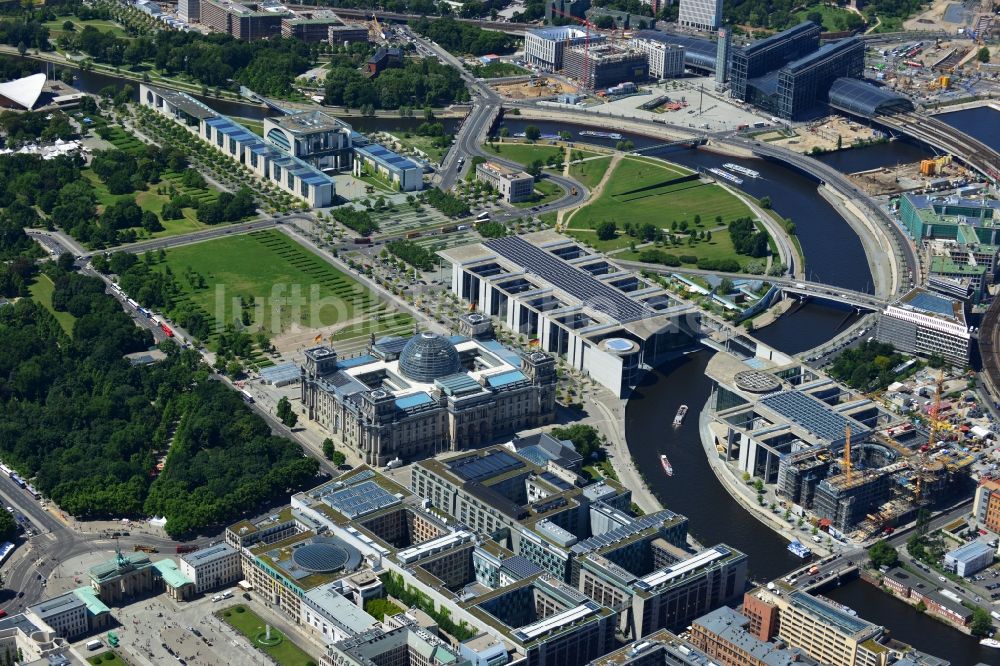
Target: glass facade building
[(771, 54)]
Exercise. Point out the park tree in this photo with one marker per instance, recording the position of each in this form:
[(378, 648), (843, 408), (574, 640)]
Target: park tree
[(284, 412), (65, 261), (981, 625), (586, 439), (882, 554), (984, 54), (328, 449), (532, 133), (338, 458), (606, 230)]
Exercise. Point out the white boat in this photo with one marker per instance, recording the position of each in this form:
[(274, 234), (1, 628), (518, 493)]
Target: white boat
[(679, 418), (742, 169), (990, 642), (726, 175), (796, 547), (602, 135), (667, 467)]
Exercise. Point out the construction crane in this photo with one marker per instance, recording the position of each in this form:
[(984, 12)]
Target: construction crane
[(375, 30), (587, 25), (847, 453)]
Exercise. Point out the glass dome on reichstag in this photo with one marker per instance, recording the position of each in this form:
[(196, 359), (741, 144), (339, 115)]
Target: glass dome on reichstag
[(429, 356)]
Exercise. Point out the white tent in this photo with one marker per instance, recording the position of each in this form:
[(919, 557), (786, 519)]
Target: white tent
[(24, 92)]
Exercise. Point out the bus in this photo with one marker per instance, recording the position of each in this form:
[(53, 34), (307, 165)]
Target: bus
[(483, 217), (247, 398), (6, 548)]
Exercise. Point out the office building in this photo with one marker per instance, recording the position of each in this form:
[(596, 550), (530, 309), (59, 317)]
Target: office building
[(925, 323), (212, 567), (986, 505), (383, 59), (312, 136), (314, 26), (414, 397), (555, 10), (805, 83), (659, 585), (699, 53), (724, 636), (74, 614), (828, 633), (769, 55), (268, 162), (401, 646), (846, 499), (243, 21), (607, 322), (545, 47), (700, 14), (722, 56), (189, 10), (970, 559), (26, 639), (605, 65), (346, 34), (512, 184), (943, 217), (665, 60), (547, 621), (400, 173), (543, 448), (333, 616)]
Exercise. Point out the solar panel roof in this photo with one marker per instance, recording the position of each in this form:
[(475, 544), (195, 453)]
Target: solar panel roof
[(932, 303), (415, 400), (361, 499), (480, 468), (555, 481), (574, 281), (506, 378), (613, 536), (812, 415)]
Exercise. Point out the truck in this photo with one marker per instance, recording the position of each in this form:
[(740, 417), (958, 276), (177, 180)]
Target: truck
[(362, 240), (166, 330), (139, 547), (95, 644)]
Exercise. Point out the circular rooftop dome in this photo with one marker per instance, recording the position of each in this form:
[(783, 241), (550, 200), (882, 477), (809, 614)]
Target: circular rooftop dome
[(429, 356), (322, 556), (755, 381), (619, 345)]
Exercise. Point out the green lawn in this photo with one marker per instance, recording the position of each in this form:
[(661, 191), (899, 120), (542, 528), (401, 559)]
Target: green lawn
[(148, 199), (642, 191), (290, 283), (830, 15), (590, 173), (41, 292), (524, 153), (255, 126), (496, 70), (108, 658), (424, 144), (545, 192), (720, 247), (56, 27), (248, 623)]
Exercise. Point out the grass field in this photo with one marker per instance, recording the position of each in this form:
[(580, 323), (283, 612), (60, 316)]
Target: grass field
[(641, 191), (496, 70), (248, 623), (720, 247), (290, 283), (545, 192), (829, 14), (56, 27), (424, 144), (41, 292), (524, 153), (255, 126), (590, 173)]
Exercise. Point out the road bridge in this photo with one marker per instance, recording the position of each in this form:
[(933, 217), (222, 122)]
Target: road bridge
[(938, 134)]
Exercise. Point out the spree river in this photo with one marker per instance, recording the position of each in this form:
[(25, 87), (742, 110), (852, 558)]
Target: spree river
[(833, 255)]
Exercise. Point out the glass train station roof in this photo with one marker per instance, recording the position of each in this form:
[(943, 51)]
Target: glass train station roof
[(865, 99)]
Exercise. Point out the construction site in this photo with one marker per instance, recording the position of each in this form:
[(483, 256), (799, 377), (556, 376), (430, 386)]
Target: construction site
[(850, 464)]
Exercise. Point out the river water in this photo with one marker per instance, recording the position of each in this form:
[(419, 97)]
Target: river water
[(833, 255)]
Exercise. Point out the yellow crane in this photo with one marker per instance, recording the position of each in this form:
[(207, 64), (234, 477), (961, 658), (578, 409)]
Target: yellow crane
[(847, 453)]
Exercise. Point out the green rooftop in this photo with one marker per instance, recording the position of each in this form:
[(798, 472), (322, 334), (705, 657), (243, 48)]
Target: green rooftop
[(94, 604), (172, 576), (942, 264)]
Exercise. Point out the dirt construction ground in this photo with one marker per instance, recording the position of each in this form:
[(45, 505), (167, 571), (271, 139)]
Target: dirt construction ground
[(536, 88), (933, 18)]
